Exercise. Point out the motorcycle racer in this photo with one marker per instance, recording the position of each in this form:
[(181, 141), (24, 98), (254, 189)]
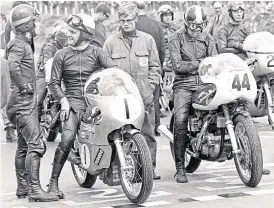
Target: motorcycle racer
[(73, 65)]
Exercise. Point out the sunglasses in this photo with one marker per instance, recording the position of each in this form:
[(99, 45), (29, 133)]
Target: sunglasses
[(193, 26), (77, 22)]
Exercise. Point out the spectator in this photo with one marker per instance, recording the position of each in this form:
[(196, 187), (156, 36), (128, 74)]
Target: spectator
[(102, 12), (135, 52), (219, 19), (153, 27)]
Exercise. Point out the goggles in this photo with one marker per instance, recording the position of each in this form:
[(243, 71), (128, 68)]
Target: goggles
[(195, 26), (76, 21), (237, 7)]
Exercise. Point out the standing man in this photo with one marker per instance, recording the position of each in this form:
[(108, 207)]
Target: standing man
[(73, 65), (232, 35), (153, 28), (219, 19), (102, 12), (53, 42), (169, 27), (188, 47), (22, 105), (136, 53), (8, 35)]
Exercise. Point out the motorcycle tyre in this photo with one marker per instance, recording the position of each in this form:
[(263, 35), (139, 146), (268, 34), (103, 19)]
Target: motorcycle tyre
[(194, 163), (256, 151), (272, 94), (147, 171), (51, 134), (89, 180)]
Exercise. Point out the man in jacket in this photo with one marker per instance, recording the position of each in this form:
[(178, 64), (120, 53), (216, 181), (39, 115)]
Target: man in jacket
[(232, 35), (22, 104), (73, 65), (136, 53), (153, 27), (51, 45), (188, 47), (219, 19), (102, 12)]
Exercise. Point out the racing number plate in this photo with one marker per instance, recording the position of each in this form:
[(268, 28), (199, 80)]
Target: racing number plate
[(239, 82)]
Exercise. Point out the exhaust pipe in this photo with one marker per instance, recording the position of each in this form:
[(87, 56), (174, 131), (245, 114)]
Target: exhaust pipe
[(166, 132)]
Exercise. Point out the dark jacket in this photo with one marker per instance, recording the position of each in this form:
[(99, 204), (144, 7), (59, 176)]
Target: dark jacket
[(100, 35), (186, 53), (48, 50), (74, 68), (215, 23), (154, 28), (168, 31), (19, 54), (230, 33)]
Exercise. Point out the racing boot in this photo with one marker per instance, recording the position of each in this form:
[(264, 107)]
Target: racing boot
[(10, 134), (60, 158), (180, 176), (36, 193), (22, 183)]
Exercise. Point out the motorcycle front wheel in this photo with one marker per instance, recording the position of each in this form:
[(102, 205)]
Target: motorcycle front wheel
[(249, 162), (83, 178), (137, 179)]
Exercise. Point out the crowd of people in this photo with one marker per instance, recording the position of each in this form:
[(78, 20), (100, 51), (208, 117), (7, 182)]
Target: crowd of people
[(144, 48)]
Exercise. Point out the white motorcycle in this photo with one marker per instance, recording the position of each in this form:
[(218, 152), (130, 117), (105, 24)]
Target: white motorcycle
[(220, 126), (260, 46)]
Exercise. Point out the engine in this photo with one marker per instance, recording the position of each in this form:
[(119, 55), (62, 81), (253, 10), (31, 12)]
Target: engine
[(211, 145)]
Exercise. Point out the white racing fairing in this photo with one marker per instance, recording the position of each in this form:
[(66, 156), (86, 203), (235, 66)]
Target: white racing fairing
[(260, 45), (230, 78)]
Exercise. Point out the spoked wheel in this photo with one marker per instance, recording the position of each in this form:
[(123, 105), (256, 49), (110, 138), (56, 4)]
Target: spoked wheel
[(249, 162), (137, 178), (83, 178), (191, 163)]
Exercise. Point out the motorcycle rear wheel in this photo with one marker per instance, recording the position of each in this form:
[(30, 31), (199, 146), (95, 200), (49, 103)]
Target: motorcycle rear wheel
[(83, 178), (49, 135), (137, 182), (249, 162), (191, 163)]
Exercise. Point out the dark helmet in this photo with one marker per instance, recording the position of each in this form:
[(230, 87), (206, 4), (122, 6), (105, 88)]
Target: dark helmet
[(165, 9), (195, 17), (21, 16), (234, 6)]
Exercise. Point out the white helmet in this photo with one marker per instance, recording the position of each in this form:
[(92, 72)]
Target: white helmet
[(83, 22)]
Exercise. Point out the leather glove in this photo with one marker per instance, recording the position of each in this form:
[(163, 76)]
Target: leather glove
[(26, 89), (65, 109)]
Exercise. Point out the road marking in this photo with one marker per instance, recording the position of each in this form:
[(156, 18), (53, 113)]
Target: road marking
[(209, 188), (207, 198), (155, 203), (260, 192), (154, 194)]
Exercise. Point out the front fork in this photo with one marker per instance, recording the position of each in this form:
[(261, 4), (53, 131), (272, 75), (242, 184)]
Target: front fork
[(230, 129), (118, 144), (270, 103)]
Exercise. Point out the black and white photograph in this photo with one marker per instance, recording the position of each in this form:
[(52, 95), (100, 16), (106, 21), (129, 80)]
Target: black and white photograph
[(122, 104)]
